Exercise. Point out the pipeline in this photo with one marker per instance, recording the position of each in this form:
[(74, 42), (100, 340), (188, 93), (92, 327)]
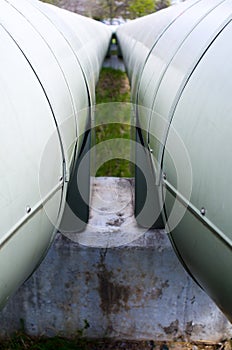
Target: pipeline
[(178, 63), (49, 65)]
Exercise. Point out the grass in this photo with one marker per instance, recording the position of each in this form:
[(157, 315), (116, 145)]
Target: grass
[(21, 341), (113, 86), (113, 123)]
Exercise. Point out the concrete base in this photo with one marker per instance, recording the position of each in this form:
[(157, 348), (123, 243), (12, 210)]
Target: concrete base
[(125, 288), (114, 62)]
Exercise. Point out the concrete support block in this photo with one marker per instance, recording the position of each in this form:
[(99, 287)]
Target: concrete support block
[(132, 287)]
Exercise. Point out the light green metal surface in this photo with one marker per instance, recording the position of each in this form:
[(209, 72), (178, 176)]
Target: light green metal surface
[(202, 118), (184, 110), (48, 71)]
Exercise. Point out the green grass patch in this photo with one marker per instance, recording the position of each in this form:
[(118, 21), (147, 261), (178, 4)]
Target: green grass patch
[(113, 122), (113, 86)]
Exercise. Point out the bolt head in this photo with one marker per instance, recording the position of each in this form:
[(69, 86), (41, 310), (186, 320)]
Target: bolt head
[(28, 209), (203, 211)]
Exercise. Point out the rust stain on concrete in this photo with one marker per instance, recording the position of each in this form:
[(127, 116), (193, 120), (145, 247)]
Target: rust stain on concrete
[(114, 296)]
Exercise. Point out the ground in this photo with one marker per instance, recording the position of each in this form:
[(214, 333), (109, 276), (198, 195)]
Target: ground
[(22, 341)]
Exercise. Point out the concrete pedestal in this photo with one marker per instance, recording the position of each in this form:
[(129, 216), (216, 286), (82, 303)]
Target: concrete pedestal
[(125, 282)]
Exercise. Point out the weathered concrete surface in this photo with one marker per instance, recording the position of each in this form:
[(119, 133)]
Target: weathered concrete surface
[(133, 290), (114, 62)]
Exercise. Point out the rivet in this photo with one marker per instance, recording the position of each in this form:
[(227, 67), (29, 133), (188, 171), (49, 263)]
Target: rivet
[(164, 176), (203, 211), (151, 150), (28, 209), (61, 178)]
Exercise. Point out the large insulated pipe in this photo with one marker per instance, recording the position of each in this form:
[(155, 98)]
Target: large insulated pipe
[(179, 64), (49, 65)]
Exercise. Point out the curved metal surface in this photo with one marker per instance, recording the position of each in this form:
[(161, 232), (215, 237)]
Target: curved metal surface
[(48, 71), (183, 108)]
